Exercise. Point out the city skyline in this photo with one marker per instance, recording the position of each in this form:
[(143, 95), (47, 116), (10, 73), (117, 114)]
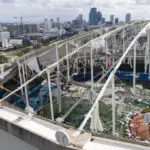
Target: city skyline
[(69, 9)]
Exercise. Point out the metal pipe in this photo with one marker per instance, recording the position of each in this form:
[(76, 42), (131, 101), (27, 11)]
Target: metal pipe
[(68, 67), (123, 40), (50, 95), (134, 68), (20, 77), (58, 81), (113, 107), (92, 74), (26, 91)]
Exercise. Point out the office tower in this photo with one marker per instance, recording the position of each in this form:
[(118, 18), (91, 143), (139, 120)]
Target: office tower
[(58, 23), (103, 20), (127, 17), (112, 19), (99, 17), (116, 20), (93, 16), (80, 19)]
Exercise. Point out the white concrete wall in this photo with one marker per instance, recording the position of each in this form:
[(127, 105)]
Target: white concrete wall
[(4, 35), (15, 42)]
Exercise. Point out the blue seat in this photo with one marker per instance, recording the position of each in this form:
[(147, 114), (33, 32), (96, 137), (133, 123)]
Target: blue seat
[(130, 76), (143, 77), (121, 76)]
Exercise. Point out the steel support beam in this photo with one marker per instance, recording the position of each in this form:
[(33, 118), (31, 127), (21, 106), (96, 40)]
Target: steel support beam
[(113, 107), (92, 73), (106, 60), (134, 67), (50, 95), (68, 66), (26, 90), (20, 76), (123, 39), (148, 49), (58, 80)]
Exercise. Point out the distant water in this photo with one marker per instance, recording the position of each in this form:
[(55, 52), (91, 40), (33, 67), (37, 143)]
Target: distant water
[(9, 142)]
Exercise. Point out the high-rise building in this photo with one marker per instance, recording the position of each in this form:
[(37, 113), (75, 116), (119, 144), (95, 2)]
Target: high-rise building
[(47, 24), (103, 20), (99, 17), (93, 16), (128, 18), (58, 23), (58, 20), (116, 20), (112, 19), (15, 29), (80, 19), (78, 22)]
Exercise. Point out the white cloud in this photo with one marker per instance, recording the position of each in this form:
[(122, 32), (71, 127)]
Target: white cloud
[(69, 9)]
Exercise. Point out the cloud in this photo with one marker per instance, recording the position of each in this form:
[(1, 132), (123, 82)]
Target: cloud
[(69, 9), (143, 2), (7, 1)]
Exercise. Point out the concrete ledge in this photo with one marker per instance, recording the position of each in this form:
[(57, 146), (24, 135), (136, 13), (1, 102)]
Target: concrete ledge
[(34, 131), (41, 134), (30, 137)]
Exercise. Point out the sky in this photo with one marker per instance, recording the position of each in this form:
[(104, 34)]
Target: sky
[(36, 10)]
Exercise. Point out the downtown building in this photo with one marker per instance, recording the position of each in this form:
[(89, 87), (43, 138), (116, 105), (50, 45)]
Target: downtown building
[(94, 17), (17, 29), (78, 22), (127, 17), (112, 19), (50, 28), (6, 41)]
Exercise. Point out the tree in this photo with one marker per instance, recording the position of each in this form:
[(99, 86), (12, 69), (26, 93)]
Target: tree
[(26, 50), (36, 46), (3, 59), (48, 40), (26, 42)]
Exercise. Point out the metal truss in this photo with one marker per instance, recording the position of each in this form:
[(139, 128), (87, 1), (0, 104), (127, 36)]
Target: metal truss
[(104, 48)]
